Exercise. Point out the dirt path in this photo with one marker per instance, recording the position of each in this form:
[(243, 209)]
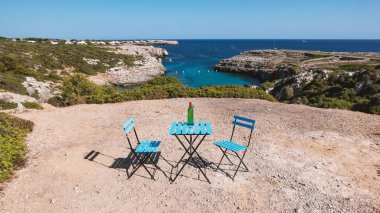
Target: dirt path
[(302, 159)]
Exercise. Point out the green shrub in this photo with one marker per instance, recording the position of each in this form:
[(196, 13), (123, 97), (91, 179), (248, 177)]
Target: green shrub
[(32, 105), (56, 101), (309, 56), (7, 105), (358, 91), (375, 60), (13, 132), (12, 83), (334, 103), (78, 89), (287, 93), (267, 85)]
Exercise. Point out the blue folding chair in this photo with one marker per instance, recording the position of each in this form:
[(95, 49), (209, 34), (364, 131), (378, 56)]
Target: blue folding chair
[(231, 146), (144, 150)]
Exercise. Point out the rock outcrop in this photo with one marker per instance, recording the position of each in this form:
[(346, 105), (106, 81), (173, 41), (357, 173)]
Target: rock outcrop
[(43, 90), (143, 70), (16, 98)]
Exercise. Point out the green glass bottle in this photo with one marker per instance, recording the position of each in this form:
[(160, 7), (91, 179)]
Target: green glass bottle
[(190, 114)]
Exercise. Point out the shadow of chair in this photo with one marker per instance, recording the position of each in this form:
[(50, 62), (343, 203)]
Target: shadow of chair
[(123, 163), (131, 160)]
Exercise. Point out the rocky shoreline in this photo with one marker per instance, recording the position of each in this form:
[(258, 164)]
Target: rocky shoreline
[(269, 65)]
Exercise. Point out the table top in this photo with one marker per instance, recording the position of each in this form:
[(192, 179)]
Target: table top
[(182, 128)]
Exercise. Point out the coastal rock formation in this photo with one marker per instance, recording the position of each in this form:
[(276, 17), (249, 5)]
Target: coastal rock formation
[(269, 65), (145, 51), (145, 69), (264, 65), (321, 79)]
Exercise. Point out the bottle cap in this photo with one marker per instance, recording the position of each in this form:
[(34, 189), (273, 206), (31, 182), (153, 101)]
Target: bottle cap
[(190, 104)]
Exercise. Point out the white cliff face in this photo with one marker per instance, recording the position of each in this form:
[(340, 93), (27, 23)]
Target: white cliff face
[(129, 49), (143, 70), (150, 68)]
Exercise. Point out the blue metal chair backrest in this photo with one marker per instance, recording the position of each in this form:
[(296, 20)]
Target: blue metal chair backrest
[(249, 123), (128, 126), (243, 122)]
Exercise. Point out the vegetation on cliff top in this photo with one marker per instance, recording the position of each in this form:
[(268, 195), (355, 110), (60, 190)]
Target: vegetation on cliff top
[(13, 132), (77, 89), (42, 61)]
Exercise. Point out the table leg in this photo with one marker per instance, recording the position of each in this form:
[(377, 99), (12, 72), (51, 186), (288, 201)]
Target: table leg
[(190, 157), (184, 147), (191, 145)]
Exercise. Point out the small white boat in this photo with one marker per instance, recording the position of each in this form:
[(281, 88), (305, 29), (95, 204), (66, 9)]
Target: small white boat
[(170, 60)]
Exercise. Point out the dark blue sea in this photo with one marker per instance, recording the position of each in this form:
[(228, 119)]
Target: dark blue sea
[(192, 61)]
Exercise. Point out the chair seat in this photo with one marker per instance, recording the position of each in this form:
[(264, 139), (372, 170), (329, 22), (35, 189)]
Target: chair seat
[(148, 146), (230, 145)]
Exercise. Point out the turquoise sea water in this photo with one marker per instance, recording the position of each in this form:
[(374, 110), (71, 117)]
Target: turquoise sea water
[(192, 61)]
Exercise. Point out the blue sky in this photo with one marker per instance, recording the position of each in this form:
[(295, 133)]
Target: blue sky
[(192, 19)]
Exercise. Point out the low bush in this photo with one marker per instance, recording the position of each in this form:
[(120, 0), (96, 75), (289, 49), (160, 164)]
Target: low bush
[(13, 132), (359, 91), (28, 105), (78, 89), (7, 105), (32, 105)]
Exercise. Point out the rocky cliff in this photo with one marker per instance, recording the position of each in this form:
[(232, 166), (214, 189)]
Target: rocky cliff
[(328, 80), (269, 65), (144, 69)]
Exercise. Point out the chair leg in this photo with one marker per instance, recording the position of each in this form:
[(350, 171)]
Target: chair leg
[(246, 168), (141, 163), (237, 169), (224, 152), (228, 158), (241, 162), (135, 168), (155, 165)]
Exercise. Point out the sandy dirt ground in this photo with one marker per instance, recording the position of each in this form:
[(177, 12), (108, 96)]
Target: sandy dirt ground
[(303, 159)]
